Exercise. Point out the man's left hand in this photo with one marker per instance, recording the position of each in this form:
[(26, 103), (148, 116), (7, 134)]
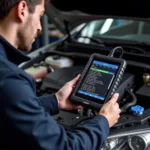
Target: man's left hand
[(64, 93)]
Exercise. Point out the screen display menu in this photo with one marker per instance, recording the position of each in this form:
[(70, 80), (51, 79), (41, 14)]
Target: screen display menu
[(98, 80)]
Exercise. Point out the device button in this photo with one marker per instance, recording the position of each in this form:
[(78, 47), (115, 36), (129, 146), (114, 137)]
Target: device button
[(113, 90), (117, 83), (111, 94), (115, 86), (118, 80), (119, 76), (121, 73)]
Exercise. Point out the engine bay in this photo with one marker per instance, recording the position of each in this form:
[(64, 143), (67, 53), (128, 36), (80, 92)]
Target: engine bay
[(57, 65)]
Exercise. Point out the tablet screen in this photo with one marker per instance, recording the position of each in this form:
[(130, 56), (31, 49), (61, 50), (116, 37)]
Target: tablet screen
[(97, 81)]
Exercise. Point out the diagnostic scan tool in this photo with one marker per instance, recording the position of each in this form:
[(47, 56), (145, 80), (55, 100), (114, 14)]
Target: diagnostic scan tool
[(99, 81)]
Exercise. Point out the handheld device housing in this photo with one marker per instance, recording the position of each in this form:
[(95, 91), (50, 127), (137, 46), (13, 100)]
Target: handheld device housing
[(99, 81)]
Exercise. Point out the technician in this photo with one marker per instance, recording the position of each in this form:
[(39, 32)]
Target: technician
[(25, 119)]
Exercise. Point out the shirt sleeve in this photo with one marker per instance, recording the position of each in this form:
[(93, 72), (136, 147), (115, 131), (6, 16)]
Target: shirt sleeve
[(50, 103), (29, 126)]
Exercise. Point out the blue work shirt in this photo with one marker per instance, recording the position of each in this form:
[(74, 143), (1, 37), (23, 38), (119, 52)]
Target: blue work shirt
[(25, 119)]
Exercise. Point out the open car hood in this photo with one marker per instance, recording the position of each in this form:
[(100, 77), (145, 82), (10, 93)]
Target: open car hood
[(75, 12)]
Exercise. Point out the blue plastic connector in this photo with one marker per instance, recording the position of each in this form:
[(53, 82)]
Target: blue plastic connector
[(137, 109)]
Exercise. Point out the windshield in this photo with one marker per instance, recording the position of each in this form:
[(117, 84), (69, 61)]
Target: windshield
[(117, 29)]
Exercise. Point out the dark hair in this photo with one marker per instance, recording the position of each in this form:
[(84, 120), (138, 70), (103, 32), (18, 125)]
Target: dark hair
[(7, 5)]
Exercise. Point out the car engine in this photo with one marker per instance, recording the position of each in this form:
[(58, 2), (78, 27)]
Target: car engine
[(56, 66)]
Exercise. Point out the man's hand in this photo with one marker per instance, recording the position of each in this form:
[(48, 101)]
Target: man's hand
[(111, 110), (64, 93)]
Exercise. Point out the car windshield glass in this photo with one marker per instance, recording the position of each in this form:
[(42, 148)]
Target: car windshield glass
[(132, 30)]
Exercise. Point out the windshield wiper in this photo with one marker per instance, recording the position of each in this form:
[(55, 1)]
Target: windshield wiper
[(132, 49), (126, 47), (93, 39)]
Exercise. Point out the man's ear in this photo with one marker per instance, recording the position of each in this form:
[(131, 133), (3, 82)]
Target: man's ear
[(22, 11)]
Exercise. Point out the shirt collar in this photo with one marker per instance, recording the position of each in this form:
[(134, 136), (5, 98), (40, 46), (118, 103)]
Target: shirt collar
[(11, 53)]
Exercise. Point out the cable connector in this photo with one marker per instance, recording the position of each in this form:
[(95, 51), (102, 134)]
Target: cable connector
[(137, 109), (111, 54)]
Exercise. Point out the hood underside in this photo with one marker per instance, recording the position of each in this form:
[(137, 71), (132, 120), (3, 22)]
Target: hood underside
[(76, 12)]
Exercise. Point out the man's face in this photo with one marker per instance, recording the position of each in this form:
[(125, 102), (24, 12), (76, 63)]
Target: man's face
[(31, 28)]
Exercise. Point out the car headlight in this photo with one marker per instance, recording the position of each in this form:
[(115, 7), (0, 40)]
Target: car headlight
[(132, 142), (112, 144), (139, 142)]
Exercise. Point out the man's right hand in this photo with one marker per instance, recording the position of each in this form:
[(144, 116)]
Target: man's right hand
[(111, 110)]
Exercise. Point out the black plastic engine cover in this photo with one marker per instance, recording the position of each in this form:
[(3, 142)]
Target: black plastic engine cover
[(59, 77)]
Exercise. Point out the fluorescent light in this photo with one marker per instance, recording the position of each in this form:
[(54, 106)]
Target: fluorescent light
[(106, 26)]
